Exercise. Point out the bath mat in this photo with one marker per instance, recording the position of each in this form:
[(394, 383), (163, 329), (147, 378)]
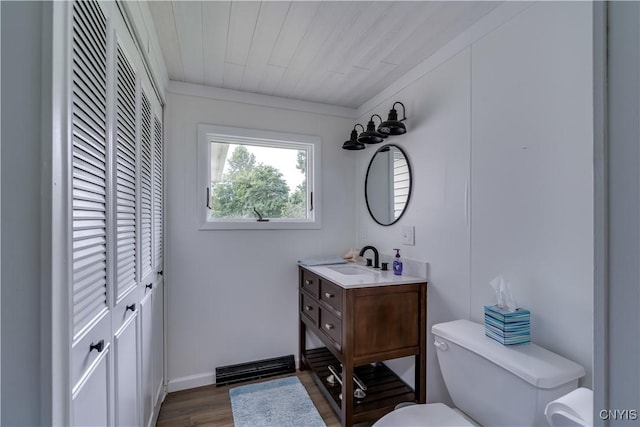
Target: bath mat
[(283, 403)]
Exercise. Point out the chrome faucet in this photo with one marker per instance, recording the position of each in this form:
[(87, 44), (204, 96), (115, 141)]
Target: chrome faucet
[(376, 256)]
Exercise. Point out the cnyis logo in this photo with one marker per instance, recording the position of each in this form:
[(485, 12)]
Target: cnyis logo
[(619, 414)]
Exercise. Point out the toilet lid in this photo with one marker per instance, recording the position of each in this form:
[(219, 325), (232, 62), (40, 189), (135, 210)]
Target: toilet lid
[(430, 414)]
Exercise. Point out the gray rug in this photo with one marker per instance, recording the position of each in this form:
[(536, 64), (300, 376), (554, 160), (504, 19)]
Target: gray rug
[(279, 403)]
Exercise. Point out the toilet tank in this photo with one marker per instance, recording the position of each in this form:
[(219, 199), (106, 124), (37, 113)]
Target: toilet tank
[(500, 385)]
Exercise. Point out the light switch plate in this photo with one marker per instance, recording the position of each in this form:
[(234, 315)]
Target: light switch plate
[(408, 235)]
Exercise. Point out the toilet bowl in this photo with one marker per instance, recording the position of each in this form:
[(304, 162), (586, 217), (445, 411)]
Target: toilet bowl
[(427, 415), (489, 383)]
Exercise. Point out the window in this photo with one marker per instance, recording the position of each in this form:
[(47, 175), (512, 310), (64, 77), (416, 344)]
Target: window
[(252, 179)]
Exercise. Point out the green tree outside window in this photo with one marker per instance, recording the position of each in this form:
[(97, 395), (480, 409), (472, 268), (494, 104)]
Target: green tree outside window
[(247, 185)]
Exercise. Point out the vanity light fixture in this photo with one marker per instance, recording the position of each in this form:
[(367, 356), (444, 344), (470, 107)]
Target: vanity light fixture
[(353, 144), (371, 136), (393, 126)]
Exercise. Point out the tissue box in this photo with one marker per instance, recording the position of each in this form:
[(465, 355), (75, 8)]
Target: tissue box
[(507, 327)]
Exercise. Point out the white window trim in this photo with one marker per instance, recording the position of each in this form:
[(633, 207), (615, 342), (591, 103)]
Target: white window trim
[(232, 134)]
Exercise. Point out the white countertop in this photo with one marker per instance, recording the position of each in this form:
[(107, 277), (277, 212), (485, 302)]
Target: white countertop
[(368, 277)]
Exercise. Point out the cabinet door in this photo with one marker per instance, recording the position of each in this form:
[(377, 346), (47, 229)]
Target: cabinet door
[(146, 320), (151, 252), (90, 399), (89, 311), (126, 373), (125, 313), (158, 340), (88, 166)]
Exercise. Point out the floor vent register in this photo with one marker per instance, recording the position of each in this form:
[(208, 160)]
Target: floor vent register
[(254, 370)]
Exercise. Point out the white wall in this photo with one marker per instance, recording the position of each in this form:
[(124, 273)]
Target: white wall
[(505, 128), (532, 172), (620, 319), (21, 104), (232, 294), (437, 146)]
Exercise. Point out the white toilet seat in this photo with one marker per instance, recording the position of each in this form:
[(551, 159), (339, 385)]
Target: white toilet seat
[(430, 414), (574, 408)]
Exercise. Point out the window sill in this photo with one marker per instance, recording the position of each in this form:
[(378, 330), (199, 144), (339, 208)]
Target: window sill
[(256, 225)]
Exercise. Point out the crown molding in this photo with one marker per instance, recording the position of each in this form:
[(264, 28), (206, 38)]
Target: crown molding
[(221, 94)]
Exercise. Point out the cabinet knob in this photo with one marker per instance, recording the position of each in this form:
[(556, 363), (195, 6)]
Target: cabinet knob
[(149, 286), (98, 346), (328, 295), (308, 308), (308, 282), (131, 307), (328, 326)]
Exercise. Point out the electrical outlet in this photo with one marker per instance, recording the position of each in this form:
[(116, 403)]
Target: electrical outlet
[(408, 235)]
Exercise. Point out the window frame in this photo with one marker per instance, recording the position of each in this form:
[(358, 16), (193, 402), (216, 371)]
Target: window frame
[(207, 132)]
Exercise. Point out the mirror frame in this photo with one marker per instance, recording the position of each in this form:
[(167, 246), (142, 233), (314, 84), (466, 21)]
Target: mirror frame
[(366, 181)]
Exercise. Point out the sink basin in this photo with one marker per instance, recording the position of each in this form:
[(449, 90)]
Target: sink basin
[(351, 270)]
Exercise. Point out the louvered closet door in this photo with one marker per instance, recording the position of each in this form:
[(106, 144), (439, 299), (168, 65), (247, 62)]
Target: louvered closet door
[(146, 213), (146, 173), (157, 350), (157, 194), (89, 314), (89, 165), (125, 176), (125, 313)]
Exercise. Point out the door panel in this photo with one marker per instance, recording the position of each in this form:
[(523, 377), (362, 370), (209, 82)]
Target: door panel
[(158, 340), (146, 319), (126, 373), (91, 394)]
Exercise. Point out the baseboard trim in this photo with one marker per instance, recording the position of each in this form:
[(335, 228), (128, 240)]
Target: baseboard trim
[(191, 381), (158, 405), (200, 380)]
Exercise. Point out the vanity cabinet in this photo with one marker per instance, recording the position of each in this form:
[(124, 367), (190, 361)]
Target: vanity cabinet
[(361, 327)]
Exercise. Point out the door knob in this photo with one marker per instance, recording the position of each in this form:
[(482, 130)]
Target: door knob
[(98, 346)]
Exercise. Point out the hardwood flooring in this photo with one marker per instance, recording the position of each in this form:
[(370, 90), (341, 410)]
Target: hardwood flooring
[(211, 406)]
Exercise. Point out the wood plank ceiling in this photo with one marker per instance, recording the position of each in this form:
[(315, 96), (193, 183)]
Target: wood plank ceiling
[(334, 52)]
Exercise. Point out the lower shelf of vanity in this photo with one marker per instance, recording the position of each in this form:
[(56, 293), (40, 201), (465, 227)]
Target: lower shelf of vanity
[(384, 388)]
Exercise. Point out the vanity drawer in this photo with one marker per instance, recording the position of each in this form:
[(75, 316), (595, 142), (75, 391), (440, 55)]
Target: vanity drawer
[(331, 294), (309, 307), (310, 283), (331, 325)]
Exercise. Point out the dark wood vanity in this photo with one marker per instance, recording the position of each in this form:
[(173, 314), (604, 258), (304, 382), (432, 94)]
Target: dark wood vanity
[(360, 326)]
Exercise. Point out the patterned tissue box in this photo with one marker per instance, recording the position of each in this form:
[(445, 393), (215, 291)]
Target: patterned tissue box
[(507, 327)]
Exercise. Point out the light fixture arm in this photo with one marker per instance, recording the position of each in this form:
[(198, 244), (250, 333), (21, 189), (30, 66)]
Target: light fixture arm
[(375, 115), (358, 124), (404, 115)]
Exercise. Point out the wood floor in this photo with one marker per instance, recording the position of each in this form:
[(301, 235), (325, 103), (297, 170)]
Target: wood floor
[(211, 406)]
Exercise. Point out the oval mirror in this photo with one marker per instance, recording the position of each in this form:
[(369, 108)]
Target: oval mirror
[(387, 187)]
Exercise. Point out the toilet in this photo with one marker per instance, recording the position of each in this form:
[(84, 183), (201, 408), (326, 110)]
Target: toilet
[(571, 410), (489, 383)]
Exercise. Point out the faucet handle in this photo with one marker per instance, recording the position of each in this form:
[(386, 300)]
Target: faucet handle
[(369, 263)]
